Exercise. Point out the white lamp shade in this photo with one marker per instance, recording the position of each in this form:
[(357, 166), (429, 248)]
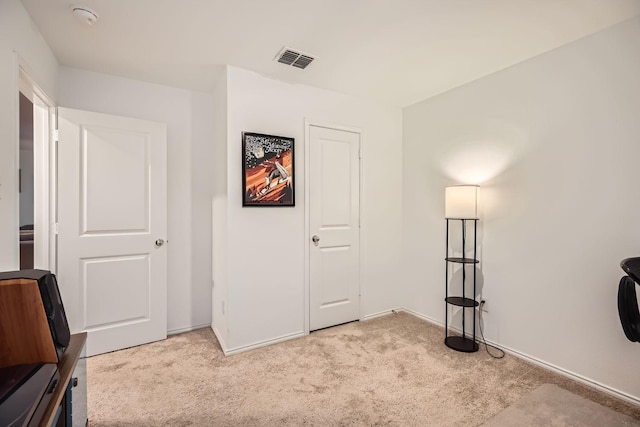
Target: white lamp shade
[(461, 202)]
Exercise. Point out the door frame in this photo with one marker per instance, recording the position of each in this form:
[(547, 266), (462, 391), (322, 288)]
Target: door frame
[(45, 161), (307, 213)]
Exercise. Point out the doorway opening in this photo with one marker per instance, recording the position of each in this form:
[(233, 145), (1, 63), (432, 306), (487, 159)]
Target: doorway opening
[(25, 183), (36, 115)]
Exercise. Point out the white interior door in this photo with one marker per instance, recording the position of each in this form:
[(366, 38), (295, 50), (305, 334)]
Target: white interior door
[(334, 216), (111, 221)]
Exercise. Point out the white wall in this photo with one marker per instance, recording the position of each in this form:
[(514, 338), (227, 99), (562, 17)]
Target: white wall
[(202, 182), (219, 207), (187, 115), (19, 38), (553, 142), (265, 287)]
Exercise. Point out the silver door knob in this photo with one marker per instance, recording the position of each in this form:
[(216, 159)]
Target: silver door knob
[(159, 243), (315, 239)]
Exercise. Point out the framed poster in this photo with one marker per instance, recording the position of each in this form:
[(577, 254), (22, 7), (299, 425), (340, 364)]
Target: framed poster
[(267, 170)]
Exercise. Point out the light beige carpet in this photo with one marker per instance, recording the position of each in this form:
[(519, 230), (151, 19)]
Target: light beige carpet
[(549, 405), (390, 371)]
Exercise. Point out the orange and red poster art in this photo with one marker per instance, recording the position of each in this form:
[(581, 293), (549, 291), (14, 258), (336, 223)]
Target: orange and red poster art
[(267, 165)]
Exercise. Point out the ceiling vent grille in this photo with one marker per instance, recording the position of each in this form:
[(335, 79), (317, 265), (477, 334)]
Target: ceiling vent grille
[(296, 59)]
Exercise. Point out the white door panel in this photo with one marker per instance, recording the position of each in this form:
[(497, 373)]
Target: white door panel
[(105, 305), (334, 259), (121, 203), (111, 210)]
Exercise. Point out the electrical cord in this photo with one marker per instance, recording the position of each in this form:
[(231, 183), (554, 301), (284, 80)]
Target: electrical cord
[(484, 341)]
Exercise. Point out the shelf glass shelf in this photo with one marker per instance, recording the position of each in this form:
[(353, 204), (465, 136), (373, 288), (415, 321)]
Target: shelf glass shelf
[(462, 302), (462, 260), (461, 344)]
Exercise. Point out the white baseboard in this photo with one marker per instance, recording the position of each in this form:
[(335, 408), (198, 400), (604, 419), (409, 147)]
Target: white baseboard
[(566, 373), (188, 329), (229, 352), (423, 317), (223, 345), (380, 314), (541, 363)]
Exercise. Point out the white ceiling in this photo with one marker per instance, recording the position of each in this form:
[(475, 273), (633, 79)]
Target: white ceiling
[(396, 51)]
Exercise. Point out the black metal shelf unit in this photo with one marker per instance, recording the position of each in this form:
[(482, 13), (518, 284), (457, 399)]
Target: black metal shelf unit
[(466, 343)]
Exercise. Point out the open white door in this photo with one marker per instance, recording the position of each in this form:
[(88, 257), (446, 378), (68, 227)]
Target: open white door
[(112, 224), (334, 215)]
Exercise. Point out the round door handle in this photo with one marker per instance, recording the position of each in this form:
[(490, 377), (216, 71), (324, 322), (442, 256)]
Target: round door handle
[(159, 243), (315, 239)]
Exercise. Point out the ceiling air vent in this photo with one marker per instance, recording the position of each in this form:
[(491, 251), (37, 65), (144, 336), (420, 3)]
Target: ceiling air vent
[(295, 59)]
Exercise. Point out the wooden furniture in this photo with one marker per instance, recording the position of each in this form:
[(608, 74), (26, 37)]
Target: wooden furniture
[(464, 342), (58, 412), (24, 328), (28, 338)]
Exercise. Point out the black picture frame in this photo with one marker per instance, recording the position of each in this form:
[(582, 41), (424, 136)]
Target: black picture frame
[(267, 170)]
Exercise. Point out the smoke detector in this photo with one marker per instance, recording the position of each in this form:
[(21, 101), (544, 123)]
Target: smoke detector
[(294, 58), (85, 15)]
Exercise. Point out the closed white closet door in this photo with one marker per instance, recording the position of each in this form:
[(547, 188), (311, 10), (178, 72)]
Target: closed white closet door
[(334, 215)]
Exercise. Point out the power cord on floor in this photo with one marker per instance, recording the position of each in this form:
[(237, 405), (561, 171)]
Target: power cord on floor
[(484, 341)]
